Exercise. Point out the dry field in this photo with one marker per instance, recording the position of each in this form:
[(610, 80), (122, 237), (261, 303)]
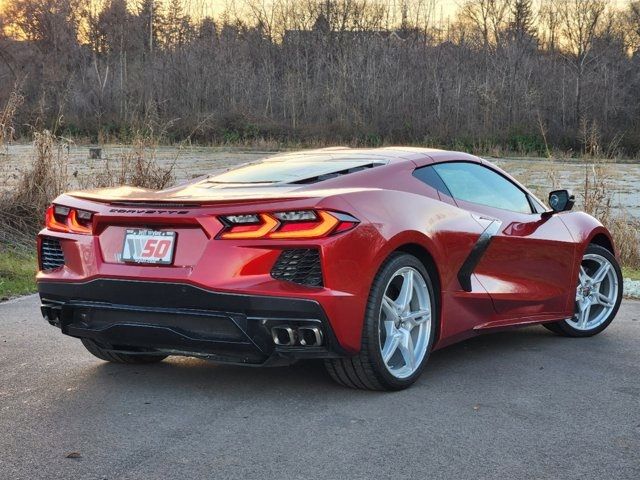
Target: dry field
[(538, 174)]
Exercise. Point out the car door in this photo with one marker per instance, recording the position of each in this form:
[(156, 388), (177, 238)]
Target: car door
[(527, 265)]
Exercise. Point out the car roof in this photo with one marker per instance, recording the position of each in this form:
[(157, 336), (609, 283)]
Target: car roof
[(385, 154)]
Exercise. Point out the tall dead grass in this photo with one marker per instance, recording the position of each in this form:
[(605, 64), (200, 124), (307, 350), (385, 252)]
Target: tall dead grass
[(137, 167), (7, 115), (22, 207), (597, 200)]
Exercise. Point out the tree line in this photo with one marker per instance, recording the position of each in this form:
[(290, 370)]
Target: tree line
[(521, 74)]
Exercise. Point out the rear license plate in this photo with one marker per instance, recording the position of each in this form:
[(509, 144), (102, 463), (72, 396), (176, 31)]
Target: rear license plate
[(149, 246)]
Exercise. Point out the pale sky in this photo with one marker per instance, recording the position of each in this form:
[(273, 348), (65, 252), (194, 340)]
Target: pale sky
[(201, 8), (208, 7)]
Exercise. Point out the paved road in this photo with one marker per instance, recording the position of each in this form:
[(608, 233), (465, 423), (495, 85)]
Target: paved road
[(524, 404)]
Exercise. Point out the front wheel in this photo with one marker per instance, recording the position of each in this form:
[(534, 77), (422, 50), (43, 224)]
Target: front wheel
[(398, 332), (598, 295)]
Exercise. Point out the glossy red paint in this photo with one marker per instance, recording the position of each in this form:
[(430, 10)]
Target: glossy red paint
[(528, 274)]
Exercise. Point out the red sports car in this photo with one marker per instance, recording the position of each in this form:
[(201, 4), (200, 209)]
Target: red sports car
[(368, 259)]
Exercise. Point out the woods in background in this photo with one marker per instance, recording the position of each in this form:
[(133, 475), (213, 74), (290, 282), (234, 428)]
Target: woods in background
[(523, 75)]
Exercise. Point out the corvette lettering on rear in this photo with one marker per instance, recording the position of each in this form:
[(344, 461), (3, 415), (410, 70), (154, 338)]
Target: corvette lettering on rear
[(148, 212)]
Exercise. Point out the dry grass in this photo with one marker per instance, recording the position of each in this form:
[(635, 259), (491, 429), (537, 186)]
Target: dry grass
[(625, 234), (596, 197), (137, 167), (7, 115), (22, 208), (599, 180)]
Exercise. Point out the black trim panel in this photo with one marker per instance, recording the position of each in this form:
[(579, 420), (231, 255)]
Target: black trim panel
[(182, 319), (474, 257)]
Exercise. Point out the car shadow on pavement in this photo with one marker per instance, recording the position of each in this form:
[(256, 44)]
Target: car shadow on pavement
[(195, 375)]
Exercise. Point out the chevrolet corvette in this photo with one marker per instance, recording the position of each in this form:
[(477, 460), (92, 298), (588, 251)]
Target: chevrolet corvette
[(369, 259)]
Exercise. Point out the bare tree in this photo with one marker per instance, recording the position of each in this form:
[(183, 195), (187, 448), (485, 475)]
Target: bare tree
[(633, 24), (581, 20), (515, 73)]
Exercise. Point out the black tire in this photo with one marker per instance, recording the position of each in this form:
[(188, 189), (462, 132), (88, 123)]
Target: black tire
[(565, 329), (367, 370), (110, 356)]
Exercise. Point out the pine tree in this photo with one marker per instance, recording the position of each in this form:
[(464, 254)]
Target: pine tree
[(150, 23), (522, 29), (113, 27), (177, 24)]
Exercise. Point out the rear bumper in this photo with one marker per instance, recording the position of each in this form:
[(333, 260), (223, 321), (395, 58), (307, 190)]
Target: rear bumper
[(181, 319)]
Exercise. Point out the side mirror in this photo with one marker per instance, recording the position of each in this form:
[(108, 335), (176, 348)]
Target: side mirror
[(561, 200)]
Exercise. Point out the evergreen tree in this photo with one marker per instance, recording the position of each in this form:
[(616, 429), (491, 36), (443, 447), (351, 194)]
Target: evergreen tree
[(522, 30), (150, 24), (113, 27)]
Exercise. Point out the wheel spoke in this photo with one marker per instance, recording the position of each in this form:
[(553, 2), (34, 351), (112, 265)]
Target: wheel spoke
[(583, 316), (391, 343), (605, 301), (583, 277), (389, 308), (407, 350), (406, 291), (601, 273), (416, 318)]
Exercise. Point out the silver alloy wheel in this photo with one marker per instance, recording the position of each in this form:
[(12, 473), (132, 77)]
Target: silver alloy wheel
[(596, 294), (405, 322)]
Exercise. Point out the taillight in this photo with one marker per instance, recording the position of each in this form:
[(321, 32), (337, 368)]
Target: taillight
[(69, 220), (286, 225)]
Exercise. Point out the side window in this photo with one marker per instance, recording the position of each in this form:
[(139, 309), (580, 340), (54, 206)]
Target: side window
[(475, 183), (429, 176)]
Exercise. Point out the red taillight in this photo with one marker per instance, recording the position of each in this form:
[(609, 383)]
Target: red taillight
[(286, 225), (52, 223), (68, 220), (258, 229)]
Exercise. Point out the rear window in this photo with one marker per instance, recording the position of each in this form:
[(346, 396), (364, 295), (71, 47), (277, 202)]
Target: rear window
[(291, 171)]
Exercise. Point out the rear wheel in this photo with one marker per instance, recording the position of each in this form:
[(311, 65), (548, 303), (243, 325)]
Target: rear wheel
[(398, 330), (114, 357), (598, 295)]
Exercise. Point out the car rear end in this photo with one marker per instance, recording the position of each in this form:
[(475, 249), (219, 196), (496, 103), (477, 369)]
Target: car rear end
[(242, 281)]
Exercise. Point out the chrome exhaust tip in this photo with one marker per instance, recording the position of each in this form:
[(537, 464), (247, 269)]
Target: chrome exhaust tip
[(310, 336), (283, 335)]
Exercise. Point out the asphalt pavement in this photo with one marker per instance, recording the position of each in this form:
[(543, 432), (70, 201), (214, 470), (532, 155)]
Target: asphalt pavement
[(523, 404)]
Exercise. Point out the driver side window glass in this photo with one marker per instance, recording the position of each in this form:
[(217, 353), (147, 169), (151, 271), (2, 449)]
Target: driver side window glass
[(475, 183)]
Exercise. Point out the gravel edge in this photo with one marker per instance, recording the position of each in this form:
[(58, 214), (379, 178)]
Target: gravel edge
[(631, 288)]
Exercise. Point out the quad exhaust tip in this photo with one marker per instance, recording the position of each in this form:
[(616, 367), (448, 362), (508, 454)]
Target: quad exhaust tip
[(285, 336), (289, 337), (310, 336)]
